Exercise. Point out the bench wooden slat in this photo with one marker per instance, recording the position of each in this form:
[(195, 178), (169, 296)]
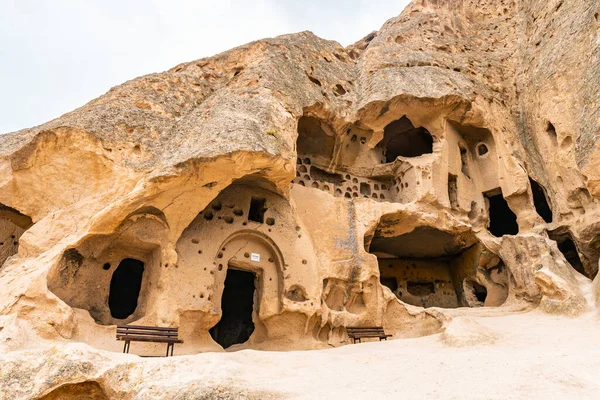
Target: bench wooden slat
[(364, 327), (365, 330), (138, 332), (366, 333), (150, 328), (358, 332), (152, 334), (157, 339)]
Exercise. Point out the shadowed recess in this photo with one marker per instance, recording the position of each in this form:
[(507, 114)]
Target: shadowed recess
[(237, 305), (503, 220), (540, 201), (402, 139), (125, 288)]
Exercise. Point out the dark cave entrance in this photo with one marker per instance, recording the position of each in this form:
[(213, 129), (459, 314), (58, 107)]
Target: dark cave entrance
[(567, 247), (477, 290), (125, 288), (540, 201), (237, 305), (313, 142), (503, 220), (390, 282), (402, 139)]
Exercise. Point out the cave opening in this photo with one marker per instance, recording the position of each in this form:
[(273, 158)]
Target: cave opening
[(321, 175), (257, 209), (568, 248), (503, 220), (477, 290), (390, 283), (402, 139), (429, 267), (417, 266), (12, 225), (125, 286), (237, 305), (540, 201), (313, 142)]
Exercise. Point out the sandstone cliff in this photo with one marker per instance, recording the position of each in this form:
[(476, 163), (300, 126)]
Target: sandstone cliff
[(445, 165)]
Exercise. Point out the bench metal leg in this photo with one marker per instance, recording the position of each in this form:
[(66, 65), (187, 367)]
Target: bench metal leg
[(172, 347), (126, 347), (168, 345)]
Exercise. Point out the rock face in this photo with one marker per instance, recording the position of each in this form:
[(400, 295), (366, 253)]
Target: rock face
[(272, 195)]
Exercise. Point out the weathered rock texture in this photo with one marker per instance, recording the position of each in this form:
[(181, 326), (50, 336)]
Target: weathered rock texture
[(448, 160)]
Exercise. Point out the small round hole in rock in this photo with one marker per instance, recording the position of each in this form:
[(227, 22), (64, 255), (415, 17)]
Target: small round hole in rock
[(106, 266), (482, 149), (270, 221)]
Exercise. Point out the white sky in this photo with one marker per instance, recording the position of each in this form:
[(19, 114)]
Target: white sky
[(56, 55)]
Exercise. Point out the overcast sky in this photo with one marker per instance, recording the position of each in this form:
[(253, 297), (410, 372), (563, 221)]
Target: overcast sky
[(56, 55)]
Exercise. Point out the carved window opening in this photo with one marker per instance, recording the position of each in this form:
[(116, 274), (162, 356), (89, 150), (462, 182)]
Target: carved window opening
[(540, 201), (12, 225), (313, 142), (257, 210), (402, 139), (568, 248), (503, 220), (482, 149)]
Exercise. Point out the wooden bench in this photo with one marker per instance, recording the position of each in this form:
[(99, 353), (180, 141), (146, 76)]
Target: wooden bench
[(138, 333), (357, 333)]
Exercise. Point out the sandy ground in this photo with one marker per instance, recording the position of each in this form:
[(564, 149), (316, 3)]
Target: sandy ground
[(517, 356), (535, 356)]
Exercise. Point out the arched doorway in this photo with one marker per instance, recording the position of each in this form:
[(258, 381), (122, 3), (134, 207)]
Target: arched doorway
[(251, 289)]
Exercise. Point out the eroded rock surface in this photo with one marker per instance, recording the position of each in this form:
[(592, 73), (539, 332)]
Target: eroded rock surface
[(443, 163)]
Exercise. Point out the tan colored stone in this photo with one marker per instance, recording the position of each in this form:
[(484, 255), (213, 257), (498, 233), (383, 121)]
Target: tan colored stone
[(442, 168)]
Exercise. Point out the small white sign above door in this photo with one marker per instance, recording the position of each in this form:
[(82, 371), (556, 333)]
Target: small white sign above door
[(255, 257)]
